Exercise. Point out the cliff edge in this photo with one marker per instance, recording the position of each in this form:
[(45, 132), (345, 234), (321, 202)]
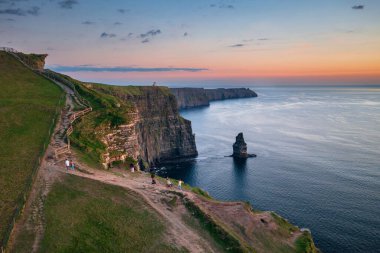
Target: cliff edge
[(194, 97)]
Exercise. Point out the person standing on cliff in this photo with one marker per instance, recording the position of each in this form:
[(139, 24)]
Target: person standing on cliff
[(67, 163), (72, 165), (132, 167), (168, 182), (180, 184), (152, 175)]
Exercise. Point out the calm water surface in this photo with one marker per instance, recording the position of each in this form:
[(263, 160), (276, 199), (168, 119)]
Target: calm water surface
[(318, 161)]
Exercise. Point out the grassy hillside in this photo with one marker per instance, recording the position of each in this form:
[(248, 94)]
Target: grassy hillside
[(28, 104), (83, 215)]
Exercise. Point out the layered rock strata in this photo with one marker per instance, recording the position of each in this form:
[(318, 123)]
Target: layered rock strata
[(194, 97), (156, 131)]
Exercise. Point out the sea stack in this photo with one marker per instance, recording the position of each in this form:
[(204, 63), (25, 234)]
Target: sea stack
[(240, 148)]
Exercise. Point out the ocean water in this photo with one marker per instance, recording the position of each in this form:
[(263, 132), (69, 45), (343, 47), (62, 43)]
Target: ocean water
[(317, 165)]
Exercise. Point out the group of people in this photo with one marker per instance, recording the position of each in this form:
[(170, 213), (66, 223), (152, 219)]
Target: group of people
[(69, 164), (168, 182)]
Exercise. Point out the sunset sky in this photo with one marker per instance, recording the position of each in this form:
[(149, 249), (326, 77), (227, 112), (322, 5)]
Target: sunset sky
[(200, 43)]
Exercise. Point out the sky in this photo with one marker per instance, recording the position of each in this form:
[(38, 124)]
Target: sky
[(200, 43)]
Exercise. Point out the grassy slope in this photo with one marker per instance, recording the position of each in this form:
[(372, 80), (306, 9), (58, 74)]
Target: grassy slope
[(83, 215), (27, 106)]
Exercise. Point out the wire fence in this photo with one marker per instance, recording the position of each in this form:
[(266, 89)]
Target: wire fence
[(21, 201)]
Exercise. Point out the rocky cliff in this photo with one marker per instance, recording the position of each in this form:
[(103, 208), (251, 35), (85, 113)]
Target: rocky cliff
[(194, 97), (157, 128), (140, 124), (162, 133), (190, 97), (35, 61)]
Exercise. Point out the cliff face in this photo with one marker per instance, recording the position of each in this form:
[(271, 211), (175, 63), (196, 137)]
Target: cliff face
[(194, 97), (162, 134), (35, 61), (154, 132), (220, 94), (190, 97)]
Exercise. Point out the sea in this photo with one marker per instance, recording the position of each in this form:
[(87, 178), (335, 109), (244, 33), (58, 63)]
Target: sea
[(317, 164)]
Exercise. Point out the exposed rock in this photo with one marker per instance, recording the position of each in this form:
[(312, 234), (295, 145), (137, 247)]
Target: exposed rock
[(221, 93), (240, 148), (156, 132), (194, 97), (35, 61), (162, 133), (190, 97)]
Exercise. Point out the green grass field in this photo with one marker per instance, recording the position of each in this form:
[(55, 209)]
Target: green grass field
[(28, 104), (83, 215)]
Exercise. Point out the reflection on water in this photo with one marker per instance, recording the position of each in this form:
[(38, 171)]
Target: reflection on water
[(317, 162), (240, 164)]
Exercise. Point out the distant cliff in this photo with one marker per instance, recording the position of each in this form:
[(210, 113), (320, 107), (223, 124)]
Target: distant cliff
[(194, 97)]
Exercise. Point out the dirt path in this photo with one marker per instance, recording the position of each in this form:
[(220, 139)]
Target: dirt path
[(33, 218), (178, 232)]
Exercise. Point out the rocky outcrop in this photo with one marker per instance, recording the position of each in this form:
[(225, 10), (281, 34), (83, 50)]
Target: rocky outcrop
[(35, 61), (194, 97), (240, 148), (155, 133)]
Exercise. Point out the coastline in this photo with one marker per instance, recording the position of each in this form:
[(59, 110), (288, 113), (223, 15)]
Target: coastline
[(117, 114)]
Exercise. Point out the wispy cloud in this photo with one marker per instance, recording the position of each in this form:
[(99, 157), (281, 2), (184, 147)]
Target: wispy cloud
[(237, 45), (67, 4), (146, 37), (150, 33), (16, 12), (107, 35), (122, 11), (358, 7), (87, 22), (222, 6), (91, 68), (34, 11)]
